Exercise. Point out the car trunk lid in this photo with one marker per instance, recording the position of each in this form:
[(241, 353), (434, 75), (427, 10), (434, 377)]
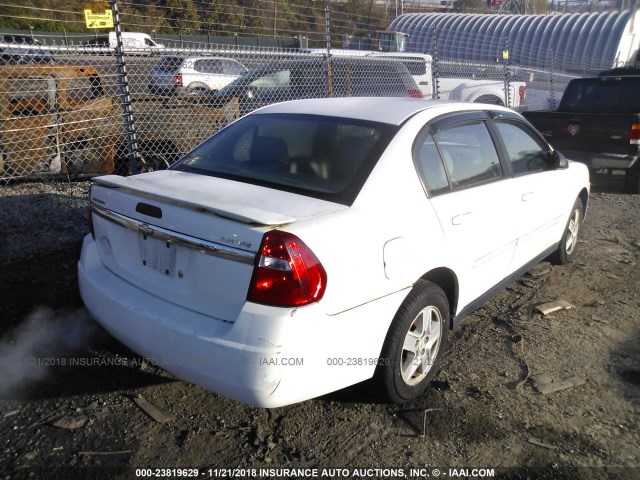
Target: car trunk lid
[(191, 239)]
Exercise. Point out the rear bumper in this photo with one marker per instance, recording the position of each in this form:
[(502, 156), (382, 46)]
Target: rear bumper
[(268, 357)]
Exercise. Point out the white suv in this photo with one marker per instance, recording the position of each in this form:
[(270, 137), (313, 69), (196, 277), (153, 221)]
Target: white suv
[(177, 74)]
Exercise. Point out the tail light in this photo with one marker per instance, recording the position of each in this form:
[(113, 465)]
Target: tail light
[(177, 80), (287, 273), (522, 91), (413, 93), (634, 136)]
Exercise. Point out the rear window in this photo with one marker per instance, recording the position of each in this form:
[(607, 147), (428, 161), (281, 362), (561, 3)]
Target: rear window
[(603, 96), (322, 157)]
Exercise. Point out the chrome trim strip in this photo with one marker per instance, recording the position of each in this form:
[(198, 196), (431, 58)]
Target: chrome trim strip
[(187, 241)]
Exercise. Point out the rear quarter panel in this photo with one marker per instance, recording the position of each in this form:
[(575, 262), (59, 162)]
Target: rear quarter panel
[(354, 244)]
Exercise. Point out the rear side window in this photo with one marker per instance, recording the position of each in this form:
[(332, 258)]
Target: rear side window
[(317, 156), (208, 66), (430, 167), (468, 152)]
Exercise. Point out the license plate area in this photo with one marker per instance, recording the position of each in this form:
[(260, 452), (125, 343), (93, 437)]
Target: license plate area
[(158, 255)]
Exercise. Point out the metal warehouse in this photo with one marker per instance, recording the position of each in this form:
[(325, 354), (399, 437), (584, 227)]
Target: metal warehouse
[(593, 40)]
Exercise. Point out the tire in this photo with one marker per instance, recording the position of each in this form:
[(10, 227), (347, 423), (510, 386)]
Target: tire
[(568, 243), (406, 368), (632, 179)]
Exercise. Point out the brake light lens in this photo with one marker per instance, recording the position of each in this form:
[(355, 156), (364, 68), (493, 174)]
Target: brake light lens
[(287, 273), (522, 91), (634, 137), (413, 93), (177, 80)]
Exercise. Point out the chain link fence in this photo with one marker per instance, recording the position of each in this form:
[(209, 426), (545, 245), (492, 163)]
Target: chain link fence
[(75, 106), (82, 114)]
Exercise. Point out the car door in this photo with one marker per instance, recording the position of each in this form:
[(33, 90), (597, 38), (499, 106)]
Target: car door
[(537, 187), (472, 198)]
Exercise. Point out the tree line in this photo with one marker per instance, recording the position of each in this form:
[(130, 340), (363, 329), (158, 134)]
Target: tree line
[(213, 17)]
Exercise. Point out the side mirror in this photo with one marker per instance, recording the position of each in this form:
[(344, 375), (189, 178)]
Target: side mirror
[(559, 161)]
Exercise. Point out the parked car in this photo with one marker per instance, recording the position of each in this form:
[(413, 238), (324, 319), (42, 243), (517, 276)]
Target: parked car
[(179, 74), (598, 123), (465, 84), (315, 244), (309, 78), (20, 49)]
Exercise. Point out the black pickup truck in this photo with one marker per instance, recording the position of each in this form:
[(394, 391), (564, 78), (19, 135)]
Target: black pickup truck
[(597, 123)]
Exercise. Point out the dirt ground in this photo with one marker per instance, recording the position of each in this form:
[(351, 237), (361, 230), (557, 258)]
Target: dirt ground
[(483, 411)]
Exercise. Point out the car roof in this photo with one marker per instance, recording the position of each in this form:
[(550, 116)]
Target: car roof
[(391, 110)]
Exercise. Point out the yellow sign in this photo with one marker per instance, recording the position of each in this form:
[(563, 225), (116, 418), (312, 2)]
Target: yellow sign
[(505, 54), (98, 20)]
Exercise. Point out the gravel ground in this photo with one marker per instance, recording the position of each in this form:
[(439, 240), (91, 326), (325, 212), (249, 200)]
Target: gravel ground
[(44, 217), (483, 410)]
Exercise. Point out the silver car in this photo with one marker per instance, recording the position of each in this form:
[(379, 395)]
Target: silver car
[(179, 74)]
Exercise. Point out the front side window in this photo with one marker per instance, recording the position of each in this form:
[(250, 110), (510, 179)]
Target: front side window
[(468, 152), (526, 153), (317, 156)]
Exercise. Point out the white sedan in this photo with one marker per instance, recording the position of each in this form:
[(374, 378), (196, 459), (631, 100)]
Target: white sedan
[(315, 244)]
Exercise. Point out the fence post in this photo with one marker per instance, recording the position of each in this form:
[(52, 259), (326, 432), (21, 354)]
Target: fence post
[(327, 33), (552, 92), (435, 65), (125, 98), (507, 73)]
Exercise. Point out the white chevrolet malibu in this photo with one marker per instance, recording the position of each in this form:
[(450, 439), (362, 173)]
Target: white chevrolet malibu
[(315, 244)]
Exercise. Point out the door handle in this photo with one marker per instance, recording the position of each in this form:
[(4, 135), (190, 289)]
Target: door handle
[(527, 196), (458, 219)]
